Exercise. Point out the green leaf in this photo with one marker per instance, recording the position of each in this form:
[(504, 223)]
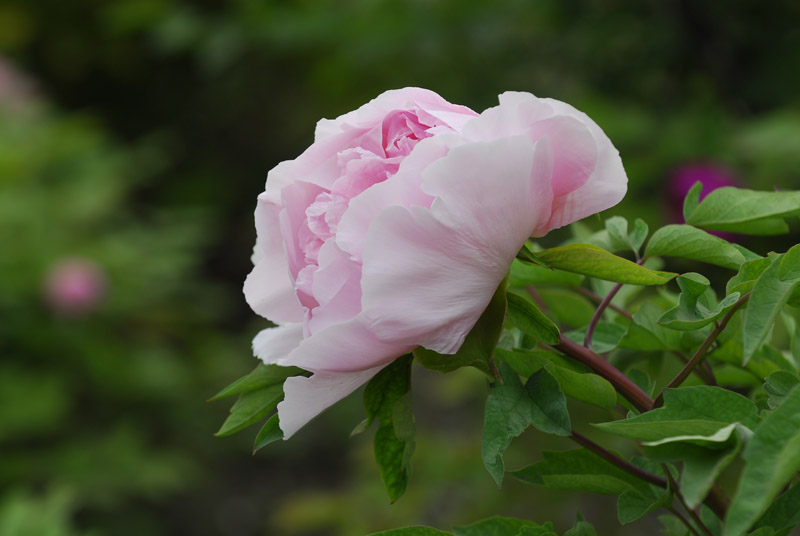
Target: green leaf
[(502, 526), (530, 320), (672, 526), (617, 228), (778, 385), (688, 412), (581, 527), (262, 376), (387, 398), (770, 293), (567, 306), (578, 470), (783, 512), (692, 200), (251, 407), (412, 531), (522, 275), (689, 242), (696, 304), (701, 466), (586, 387), (772, 457), (606, 337), (634, 504), (645, 333), (593, 261), (479, 343), (749, 271), (269, 433), (745, 211), (512, 407)]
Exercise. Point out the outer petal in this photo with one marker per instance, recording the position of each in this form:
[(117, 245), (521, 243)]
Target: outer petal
[(347, 347), (605, 187), (305, 398), (268, 288), (428, 275), (272, 345)]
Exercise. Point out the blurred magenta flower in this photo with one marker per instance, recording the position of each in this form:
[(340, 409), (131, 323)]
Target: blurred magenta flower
[(712, 176), (75, 286)]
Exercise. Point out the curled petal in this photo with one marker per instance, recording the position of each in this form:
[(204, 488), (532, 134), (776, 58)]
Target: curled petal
[(272, 345)]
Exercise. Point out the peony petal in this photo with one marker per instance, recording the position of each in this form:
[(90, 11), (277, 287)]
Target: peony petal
[(428, 275), (336, 287), (305, 398), (268, 288), (605, 187), (272, 345), (403, 189), (345, 347)]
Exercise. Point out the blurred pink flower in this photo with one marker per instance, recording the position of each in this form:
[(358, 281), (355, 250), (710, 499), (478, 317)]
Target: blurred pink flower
[(16, 89), (75, 286)]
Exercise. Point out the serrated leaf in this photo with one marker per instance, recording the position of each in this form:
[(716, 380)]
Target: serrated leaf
[(586, 387), (592, 261), (526, 316), (502, 526), (689, 242), (512, 407), (386, 398), (745, 211), (770, 293), (578, 470), (262, 376), (269, 433), (778, 385), (412, 531), (479, 343), (772, 457), (251, 407), (688, 411), (522, 275)]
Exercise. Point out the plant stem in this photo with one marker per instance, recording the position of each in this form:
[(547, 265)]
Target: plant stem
[(676, 490), (617, 461), (701, 352), (704, 372), (600, 366), (587, 340), (683, 520), (594, 297)]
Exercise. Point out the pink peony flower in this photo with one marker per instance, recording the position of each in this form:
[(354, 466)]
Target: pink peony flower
[(74, 286), (394, 229)]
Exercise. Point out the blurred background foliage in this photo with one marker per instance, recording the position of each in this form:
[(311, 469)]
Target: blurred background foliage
[(134, 137)]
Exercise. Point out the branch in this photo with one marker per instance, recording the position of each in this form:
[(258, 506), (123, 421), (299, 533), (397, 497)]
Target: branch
[(701, 352), (617, 461), (587, 340), (600, 366)]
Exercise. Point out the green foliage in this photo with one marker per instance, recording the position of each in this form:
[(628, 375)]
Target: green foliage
[(772, 458), (689, 242), (743, 211), (387, 398), (593, 261), (512, 407), (697, 305), (526, 316)]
